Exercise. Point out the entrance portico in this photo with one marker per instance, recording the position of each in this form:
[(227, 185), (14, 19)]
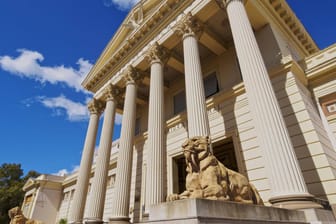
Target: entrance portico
[(178, 53)]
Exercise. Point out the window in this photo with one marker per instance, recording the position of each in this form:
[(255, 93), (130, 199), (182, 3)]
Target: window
[(211, 85), (137, 127), (110, 181), (240, 73), (66, 195), (72, 194), (179, 102)]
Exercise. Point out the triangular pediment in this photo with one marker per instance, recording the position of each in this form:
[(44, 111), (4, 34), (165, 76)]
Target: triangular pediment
[(135, 19), (30, 182)]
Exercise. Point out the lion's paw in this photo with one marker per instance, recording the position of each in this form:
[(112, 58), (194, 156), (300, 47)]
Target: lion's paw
[(173, 197)]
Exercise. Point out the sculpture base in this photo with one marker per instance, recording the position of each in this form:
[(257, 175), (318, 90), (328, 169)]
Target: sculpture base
[(296, 202), (119, 220), (92, 221), (192, 211)]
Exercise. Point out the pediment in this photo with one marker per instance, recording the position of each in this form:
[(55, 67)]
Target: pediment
[(135, 19), (30, 182)]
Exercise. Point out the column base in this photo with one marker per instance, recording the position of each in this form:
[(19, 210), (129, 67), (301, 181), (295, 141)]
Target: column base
[(119, 220), (93, 221), (299, 201)]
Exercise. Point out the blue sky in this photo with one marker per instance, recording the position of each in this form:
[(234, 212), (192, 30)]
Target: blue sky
[(47, 47)]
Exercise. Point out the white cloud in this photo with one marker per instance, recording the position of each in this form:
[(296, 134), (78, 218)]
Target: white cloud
[(75, 111), (28, 64), (121, 4), (61, 105), (62, 173), (118, 119), (65, 172)]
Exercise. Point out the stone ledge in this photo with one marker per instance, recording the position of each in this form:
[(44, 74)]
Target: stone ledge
[(210, 211)]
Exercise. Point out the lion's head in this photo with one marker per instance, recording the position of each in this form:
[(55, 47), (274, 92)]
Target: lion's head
[(14, 212), (191, 149)]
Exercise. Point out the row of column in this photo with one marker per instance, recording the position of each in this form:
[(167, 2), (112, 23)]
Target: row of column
[(287, 183)]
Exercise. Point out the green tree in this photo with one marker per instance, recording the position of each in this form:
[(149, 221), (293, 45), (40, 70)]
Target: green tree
[(11, 183)]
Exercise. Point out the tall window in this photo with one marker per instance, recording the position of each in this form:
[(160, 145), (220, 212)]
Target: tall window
[(137, 126), (210, 85), (179, 102)]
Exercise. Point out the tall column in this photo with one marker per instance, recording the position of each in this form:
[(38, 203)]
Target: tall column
[(121, 196), (288, 188), (198, 122), (156, 155), (98, 187), (79, 200)]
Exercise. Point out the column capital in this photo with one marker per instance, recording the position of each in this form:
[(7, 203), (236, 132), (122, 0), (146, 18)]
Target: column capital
[(225, 3), (132, 75), (157, 53), (189, 25), (95, 106), (112, 92)]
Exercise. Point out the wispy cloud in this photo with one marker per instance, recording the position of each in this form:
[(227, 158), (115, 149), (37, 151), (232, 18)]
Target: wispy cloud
[(74, 111), (28, 64), (118, 119), (64, 172), (120, 4)]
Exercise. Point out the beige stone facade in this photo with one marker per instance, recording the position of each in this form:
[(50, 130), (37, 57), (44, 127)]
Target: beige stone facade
[(265, 96)]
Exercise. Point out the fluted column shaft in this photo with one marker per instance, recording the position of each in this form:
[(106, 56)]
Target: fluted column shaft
[(121, 196), (82, 184), (198, 122), (98, 187), (156, 155), (284, 172)]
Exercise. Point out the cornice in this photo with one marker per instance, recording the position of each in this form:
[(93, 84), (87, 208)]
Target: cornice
[(287, 19), (321, 62), (164, 13)]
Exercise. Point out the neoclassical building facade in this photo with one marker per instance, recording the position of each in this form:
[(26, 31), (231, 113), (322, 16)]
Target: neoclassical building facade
[(244, 73)]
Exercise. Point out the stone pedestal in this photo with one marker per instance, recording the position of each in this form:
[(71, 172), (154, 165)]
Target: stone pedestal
[(192, 211), (198, 211)]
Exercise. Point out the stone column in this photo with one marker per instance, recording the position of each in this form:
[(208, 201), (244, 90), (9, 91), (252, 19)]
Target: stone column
[(82, 184), (198, 122), (98, 187), (121, 196), (288, 188), (156, 154)]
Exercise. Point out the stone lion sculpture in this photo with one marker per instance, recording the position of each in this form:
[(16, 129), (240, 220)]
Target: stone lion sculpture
[(17, 217), (210, 179)]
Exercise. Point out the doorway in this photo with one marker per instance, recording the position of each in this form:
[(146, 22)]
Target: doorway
[(224, 151)]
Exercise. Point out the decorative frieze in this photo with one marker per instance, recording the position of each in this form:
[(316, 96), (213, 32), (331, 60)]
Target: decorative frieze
[(178, 126)]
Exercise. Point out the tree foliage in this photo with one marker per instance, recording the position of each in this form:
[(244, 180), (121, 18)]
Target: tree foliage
[(11, 183)]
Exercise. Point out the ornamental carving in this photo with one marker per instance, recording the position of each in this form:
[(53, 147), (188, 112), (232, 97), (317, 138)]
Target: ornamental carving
[(132, 75), (112, 92), (224, 3), (189, 26), (17, 217), (157, 53), (95, 106), (210, 179)]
